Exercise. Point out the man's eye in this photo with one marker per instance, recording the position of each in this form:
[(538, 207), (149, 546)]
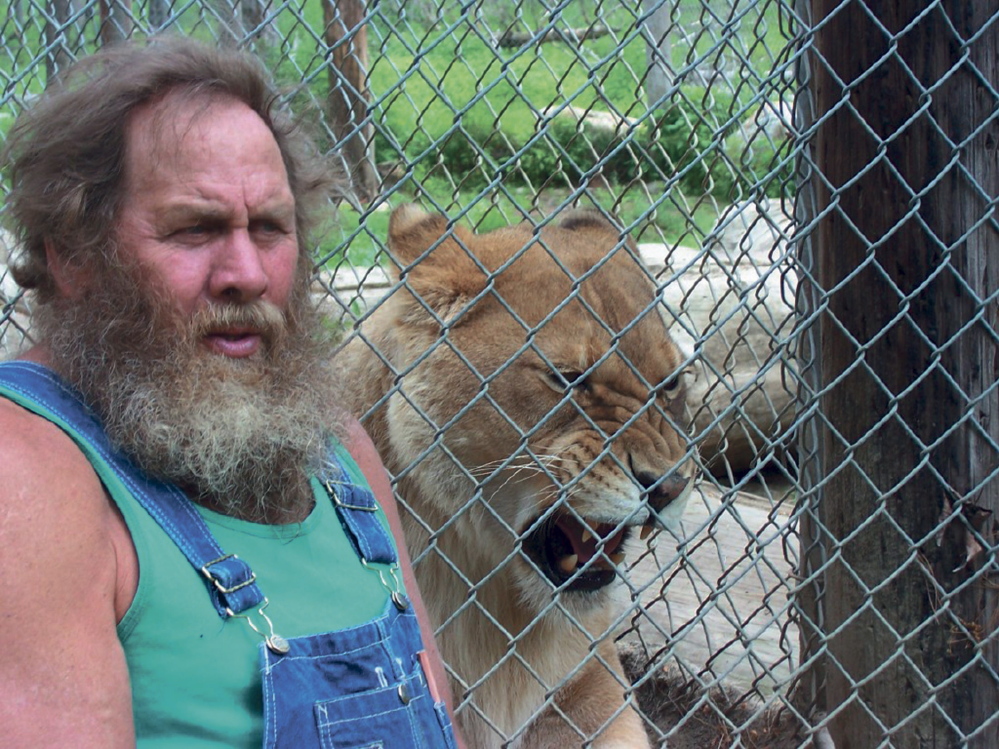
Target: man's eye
[(192, 231), (269, 227)]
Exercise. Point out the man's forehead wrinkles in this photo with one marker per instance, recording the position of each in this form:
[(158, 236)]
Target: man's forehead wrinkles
[(172, 118), (168, 134)]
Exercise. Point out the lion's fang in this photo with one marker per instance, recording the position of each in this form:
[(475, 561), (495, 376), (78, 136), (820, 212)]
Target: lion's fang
[(645, 532), (616, 557), (568, 562), (586, 535)]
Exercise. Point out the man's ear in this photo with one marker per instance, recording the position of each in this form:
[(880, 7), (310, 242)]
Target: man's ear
[(69, 279)]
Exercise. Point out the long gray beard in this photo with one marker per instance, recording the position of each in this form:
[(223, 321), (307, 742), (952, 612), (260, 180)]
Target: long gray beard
[(240, 436)]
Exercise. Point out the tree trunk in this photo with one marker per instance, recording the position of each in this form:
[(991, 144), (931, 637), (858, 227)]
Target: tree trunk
[(229, 29), (55, 38), (899, 606), (116, 21), (159, 11), (347, 105), (252, 13), (658, 29), (256, 24)]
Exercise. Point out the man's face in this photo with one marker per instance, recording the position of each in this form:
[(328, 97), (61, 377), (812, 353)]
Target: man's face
[(194, 336), (208, 214)]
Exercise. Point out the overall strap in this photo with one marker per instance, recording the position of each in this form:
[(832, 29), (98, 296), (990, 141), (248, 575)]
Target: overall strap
[(358, 512), (230, 581)]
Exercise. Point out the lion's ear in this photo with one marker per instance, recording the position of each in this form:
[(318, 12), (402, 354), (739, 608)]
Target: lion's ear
[(436, 262), (581, 218)]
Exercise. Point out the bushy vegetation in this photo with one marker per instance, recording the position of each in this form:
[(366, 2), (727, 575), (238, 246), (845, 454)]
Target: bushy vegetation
[(679, 145), (482, 111)]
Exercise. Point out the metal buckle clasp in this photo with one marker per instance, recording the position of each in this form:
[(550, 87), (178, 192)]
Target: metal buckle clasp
[(340, 503), (218, 584), (274, 642), (392, 584)]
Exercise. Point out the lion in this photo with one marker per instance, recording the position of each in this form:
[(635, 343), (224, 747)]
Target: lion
[(523, 389)]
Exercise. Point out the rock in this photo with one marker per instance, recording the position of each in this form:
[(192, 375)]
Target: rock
[(772, 121), (607, 122)]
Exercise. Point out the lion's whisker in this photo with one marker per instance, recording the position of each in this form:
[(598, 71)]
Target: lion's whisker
[(539, 464)]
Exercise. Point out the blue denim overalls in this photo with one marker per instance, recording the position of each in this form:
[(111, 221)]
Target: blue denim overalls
[(359, 688)]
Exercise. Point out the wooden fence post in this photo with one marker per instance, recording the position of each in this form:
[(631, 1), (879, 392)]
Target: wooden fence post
[(900, 615), (347, 103)]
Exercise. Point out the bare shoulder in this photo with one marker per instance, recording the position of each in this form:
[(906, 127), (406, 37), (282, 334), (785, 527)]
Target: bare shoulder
[(362, 450), (63, 675), (43, 473)]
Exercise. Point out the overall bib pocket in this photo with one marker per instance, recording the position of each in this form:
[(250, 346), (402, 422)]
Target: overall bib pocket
[(393, 716), (361, 688)]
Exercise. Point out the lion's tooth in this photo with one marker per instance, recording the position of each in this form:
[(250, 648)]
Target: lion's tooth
[(645, 532), (586, 535), (568, 562), (616, 557)]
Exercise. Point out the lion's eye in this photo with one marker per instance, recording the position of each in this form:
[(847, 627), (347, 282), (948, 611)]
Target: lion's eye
[(672, 387), (568, 379)]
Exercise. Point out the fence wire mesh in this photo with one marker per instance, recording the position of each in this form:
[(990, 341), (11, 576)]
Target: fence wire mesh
[(811, 190)]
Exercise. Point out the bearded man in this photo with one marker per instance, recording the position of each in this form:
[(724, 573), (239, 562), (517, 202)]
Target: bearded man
[(190, 552)]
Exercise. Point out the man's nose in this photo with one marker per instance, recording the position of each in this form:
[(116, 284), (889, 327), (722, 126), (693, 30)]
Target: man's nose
[(238, 273)]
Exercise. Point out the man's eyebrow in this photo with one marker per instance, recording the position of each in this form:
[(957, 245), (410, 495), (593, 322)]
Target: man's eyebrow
[(195, 209), (210, 210)]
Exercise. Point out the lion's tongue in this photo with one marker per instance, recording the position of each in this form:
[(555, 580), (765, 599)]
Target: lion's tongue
[(586, 545)]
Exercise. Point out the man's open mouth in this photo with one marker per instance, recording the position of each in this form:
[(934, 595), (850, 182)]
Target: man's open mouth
[(573, 554), (233, 342)]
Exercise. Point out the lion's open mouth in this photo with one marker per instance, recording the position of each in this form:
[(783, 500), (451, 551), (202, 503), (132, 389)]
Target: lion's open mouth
[(575, 555)]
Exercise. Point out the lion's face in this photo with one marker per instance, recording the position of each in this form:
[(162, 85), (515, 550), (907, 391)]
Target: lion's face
[(541, 368)]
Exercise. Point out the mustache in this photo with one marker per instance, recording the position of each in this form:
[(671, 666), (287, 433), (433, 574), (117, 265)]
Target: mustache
[(259, 317)]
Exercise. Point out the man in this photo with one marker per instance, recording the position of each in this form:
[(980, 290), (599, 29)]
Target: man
[(174, 572)]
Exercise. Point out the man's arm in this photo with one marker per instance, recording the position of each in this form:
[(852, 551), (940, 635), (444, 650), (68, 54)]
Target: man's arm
[(363, 451), (63, 675)]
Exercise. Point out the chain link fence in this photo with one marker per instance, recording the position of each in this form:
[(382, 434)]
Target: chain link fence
[(811, 187)]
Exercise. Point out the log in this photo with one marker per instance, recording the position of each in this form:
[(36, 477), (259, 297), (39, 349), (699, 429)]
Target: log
[(511, 39), (731, 308)]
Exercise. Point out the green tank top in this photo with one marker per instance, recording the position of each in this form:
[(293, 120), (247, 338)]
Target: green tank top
[(195, 678)]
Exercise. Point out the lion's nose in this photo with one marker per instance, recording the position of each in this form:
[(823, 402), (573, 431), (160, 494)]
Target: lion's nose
[(661, 490)]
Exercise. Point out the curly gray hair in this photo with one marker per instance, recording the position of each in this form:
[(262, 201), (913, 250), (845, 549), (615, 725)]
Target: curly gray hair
[(65, 155)]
